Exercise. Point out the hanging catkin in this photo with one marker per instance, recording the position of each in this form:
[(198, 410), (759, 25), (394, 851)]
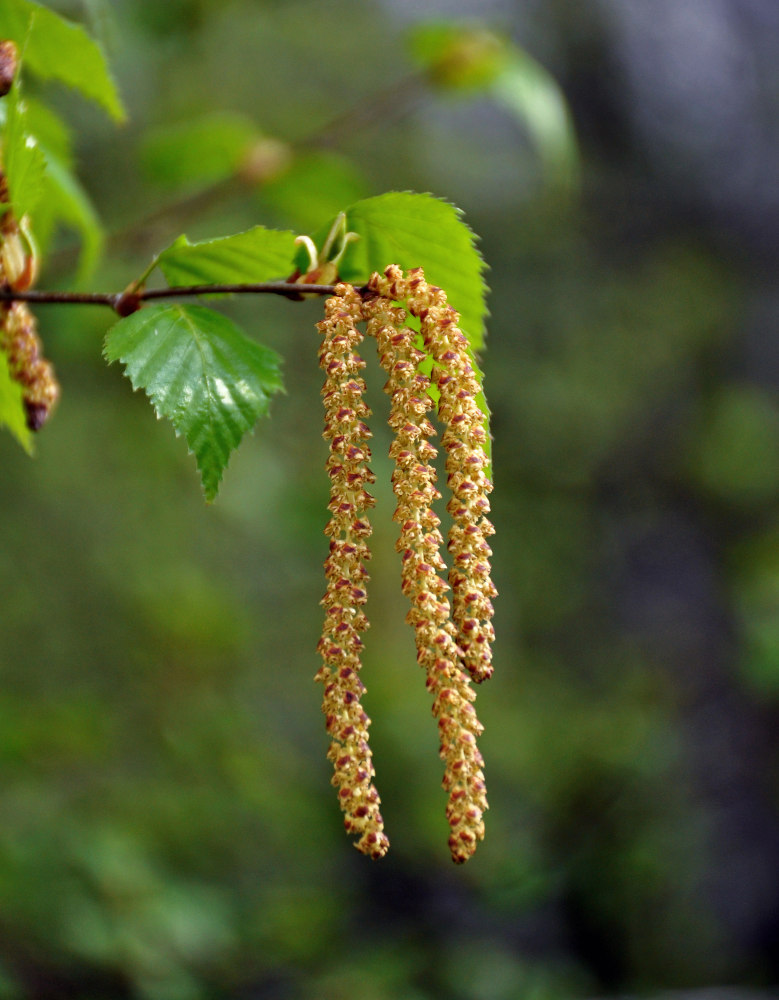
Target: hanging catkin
[(464, 439), (453, 642), (419, 544), (349, 530)]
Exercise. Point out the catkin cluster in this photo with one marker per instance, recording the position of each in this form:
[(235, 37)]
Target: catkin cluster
[(453, 641), (19, 340)]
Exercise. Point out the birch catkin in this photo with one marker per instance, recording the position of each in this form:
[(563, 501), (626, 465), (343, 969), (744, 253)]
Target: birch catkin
[(452, 641), (349, 530), (464, 439), (419, 544)]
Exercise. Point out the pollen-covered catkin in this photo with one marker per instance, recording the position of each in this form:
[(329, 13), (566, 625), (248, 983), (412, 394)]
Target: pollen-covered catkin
[(19, 340), (349, 530), (419, 543), (464, 439)]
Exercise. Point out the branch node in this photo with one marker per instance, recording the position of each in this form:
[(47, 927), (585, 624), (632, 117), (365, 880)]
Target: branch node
[(126, 303)]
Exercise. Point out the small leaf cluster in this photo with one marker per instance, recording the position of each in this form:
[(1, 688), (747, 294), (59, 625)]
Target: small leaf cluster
[(43, 191), (211, 380), (36, 142)]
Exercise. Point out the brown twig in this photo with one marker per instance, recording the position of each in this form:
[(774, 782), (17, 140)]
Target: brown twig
[(127, 302), (393, 102)]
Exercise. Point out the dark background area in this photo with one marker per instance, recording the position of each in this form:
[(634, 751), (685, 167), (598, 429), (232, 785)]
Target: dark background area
[(167, 827)]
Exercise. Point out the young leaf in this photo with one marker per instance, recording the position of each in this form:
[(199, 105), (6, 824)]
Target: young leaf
[(24, 161), (12, 413), (67, 203), (418, 230), (313, 188), (470, 58), (39, 168), (458, 57), (202, 373), (200, 151), (49, 129), (55, 48), (258, 254), (534, 97)]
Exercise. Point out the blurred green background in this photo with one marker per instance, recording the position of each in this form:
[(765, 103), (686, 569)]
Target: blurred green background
[(167, 827)]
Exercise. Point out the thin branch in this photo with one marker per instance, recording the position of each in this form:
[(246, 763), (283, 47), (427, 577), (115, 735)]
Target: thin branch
[(394, 102), (290, 289), (38, 295), (128, 301)]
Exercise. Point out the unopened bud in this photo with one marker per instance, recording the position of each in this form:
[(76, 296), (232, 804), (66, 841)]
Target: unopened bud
[(8, 64)]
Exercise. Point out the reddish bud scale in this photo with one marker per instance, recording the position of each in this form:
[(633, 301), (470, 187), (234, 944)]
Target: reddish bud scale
[(348, 529), (9, 60), (420, 542)]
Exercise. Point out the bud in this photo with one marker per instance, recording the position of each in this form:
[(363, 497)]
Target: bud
[(264, 161), (8, 64), (459, 58), (19, 339)]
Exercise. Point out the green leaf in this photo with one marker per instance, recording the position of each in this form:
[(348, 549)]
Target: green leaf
[(50, 130), (419, 230), (458, 57), (39, 161), (313, 188), (55, 48), (258, 254), (471, 58), (24, 161), (535, 99), (12, 413), (199, 152), (67, 203), (41, 122), (202, 373)]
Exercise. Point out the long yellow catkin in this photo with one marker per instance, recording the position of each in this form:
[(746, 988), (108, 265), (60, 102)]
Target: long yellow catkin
[(349, 530), (464, 439), (452, 642), (419, 543)]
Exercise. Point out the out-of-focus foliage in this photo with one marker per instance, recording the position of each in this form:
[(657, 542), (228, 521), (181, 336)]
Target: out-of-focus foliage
[(52, 186), (37, 156), (468, 59), (223, 141), (168, 830), (23, 161), (11, 408), (57, 49)]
